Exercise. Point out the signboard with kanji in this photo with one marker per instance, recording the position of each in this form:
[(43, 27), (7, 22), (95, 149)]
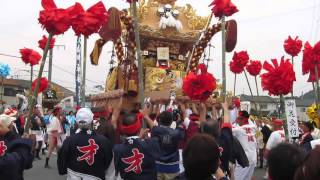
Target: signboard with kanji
[(292, 119)]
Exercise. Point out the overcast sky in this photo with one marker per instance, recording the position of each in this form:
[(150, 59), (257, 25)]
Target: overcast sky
[(262, 28)]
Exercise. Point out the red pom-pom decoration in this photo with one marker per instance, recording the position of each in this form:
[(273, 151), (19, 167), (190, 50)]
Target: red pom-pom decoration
[(239, 62), (90, 21), (223, 8), (42, 43), (30, 56), (44, 84), (199, 86), (279, 78), (254, 68), (54, 20), (292, 46)]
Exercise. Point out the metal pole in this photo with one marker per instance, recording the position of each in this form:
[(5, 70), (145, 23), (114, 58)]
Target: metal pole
[(235, 83), (293, 69), (35, 92), (83, 89), (224, 81), (2, 90), (137, 39), (50, 65)]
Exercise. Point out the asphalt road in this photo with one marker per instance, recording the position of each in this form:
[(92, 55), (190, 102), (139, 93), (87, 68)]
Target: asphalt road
[(38, 172)]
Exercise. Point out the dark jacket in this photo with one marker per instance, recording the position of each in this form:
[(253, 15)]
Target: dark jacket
[(75, 154), (169, 139), (305, 143), (135, 158), (182, 176), (17, 156), (225, 141)]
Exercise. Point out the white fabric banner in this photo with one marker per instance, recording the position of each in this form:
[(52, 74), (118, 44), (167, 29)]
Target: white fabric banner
[(292, 120)]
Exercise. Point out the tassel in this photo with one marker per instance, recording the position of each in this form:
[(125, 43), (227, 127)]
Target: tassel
[(163, 22), (96, 52), (171, 21)]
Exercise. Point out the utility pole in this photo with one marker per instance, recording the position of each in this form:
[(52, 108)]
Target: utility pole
[(50, 61)]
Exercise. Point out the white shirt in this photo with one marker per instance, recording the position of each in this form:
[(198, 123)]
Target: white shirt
[(246, 136), (275, 138), (54, 125)]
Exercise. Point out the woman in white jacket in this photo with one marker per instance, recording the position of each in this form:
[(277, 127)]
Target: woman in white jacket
[(55, 131)]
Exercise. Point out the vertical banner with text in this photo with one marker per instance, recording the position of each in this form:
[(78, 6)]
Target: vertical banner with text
[(78, 70), (292, 118)]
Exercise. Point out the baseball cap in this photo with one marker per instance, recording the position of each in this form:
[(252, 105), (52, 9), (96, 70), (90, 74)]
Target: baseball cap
[(84, 116)]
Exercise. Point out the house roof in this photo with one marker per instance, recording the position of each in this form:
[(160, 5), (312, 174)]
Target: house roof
[(260, 99), (300, 102), (25, 84)]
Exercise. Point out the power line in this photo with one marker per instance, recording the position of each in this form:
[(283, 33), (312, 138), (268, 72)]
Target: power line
[(60, 68)]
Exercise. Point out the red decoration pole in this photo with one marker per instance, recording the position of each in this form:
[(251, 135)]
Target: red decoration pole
[(255, 104), (36, 89), (256, 81)]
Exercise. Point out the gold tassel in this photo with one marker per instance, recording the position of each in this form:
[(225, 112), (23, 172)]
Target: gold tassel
[(96, 52), (112, 80)]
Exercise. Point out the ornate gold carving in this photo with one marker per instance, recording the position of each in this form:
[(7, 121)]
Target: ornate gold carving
[(191, 37), (143, 10), (195, 22)]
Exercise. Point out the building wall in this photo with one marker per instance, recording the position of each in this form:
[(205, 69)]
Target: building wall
[(301, 113)]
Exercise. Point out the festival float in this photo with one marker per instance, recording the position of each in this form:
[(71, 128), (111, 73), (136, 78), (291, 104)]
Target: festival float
[(173, 40)]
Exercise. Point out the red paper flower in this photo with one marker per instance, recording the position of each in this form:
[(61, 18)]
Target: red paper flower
[(42, 43), (90, 21), (312, 75), (292, 46), (199, 86), (308, 57), (43, 84), (30, 56), (54, 20), (239, 62), (254, 68), (278, 79), (223, 8)]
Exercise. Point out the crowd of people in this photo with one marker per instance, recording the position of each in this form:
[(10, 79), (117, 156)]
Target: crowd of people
[(182, 141)]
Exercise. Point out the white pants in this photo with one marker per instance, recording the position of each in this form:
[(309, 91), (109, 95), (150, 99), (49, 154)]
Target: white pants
[(72, 175), (244, 173), (181, 161)]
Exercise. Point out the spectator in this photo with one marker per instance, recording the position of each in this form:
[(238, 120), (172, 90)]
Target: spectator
[(306, 138), (310, 169), (201, 159), (283, 161), (37, 125), (15, 152)]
